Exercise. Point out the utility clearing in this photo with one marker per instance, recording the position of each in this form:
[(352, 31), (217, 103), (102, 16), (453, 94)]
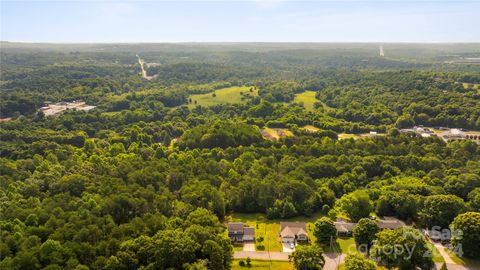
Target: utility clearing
[(235, 94)]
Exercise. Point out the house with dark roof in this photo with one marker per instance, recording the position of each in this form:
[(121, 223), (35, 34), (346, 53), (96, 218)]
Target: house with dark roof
[(238, 232), (344, 228), (291, 232), (391, 223)]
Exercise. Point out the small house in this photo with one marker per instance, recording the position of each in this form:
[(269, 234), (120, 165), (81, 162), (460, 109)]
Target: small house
[(391, 223), (238, 232), (291, 232), (344, 228)]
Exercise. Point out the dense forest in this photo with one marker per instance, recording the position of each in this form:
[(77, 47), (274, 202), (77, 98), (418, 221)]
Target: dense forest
[(147, 179)]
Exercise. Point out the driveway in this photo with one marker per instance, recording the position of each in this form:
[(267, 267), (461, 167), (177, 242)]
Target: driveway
[(451, 265), (249, 246), (443, 252), (286, 248), (333, 260)]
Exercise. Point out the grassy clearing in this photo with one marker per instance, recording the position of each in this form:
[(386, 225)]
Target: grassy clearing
[(275, 133), (258, 264), (110, 113), (343, 136), (307, 98), (471, 86), (310, 128), (225, 95)]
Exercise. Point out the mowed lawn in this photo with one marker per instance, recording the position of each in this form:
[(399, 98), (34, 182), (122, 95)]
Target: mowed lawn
[(258, 264), (225, 95), (263, 227), (270, 229), (308, 99)]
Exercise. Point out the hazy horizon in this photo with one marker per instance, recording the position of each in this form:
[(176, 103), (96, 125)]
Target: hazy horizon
[(262, 21)]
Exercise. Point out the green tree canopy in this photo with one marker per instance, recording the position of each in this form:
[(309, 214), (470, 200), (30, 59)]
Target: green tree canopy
[(466, 233), (307, 257), (324, 230)]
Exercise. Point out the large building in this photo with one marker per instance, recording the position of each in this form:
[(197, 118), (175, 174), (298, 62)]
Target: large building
[(60, 107)]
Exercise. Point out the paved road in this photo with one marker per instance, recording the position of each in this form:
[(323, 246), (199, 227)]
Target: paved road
[(262, 255), (332, 260)]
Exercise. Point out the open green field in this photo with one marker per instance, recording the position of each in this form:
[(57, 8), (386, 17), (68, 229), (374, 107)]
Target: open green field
[(343, 136), (307, 98), (275, 133), (310, 128), (258, 264), (225, 95)]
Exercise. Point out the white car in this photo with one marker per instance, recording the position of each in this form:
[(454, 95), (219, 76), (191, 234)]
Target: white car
[(292, 245)]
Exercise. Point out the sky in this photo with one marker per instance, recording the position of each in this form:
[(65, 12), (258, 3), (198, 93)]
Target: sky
[(240, 21)]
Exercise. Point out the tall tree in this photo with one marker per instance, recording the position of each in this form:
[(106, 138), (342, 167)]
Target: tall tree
[(325, 231), (364, 231), (466, 234), (307, 257), (405, 248)]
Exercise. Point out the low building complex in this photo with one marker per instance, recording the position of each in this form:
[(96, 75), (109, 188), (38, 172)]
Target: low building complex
[(60, 107)]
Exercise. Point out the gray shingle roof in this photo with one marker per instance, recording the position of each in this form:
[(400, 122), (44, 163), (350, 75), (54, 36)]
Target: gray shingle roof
[(292, 228)]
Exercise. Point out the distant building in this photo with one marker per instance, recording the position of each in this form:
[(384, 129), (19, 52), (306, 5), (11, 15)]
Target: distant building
[(51, 109), (291, 232)]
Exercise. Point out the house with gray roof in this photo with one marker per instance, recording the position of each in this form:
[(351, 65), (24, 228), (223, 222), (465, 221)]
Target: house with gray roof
[(291, 232), (344, 228), (238, 232)]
